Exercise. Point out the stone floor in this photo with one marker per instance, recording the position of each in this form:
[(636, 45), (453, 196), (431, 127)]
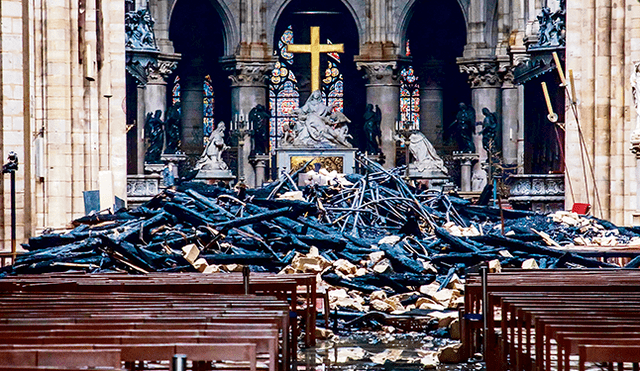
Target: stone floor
[(368, 350)]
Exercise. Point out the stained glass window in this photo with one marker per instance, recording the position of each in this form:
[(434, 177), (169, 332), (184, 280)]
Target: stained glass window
[(409, 96), (283, 91), (333, 87), (208, 104), (175, 92)]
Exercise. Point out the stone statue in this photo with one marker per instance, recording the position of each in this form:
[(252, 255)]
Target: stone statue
[(551, 27), (259, 118), (139, 30), (635, 92), (172, 129), (317, 126), (372, 131), (489, 131), (154, 137), (211, 158), (464, 127), (426, 157)]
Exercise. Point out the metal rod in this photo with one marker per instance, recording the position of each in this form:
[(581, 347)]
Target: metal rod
[(13, 216), (245, 278), (485, 312)]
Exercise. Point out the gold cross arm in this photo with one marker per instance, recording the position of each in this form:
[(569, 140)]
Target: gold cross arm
[(315, 48)]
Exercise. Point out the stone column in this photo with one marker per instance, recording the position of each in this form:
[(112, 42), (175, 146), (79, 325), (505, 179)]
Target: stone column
[(383, 89), (635, 148), (248, 89), (140, 117), (156, 92), (510, 114), (635, 136), (260, 163), (431, 108), (485, 92), (192, 94)]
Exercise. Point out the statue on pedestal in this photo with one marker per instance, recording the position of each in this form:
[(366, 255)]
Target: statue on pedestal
[(317, 126), (153, 134), (172, 129), (259, 118), (373, 134), (425, 155), (211, 158), (464, 127)]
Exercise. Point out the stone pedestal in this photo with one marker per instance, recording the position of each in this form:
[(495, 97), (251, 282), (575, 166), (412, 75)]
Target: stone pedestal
[(341, 160), (214, 176), (141, 188), (537, 192), (466, 161), (172, 163), (434, 179), (259, 163)]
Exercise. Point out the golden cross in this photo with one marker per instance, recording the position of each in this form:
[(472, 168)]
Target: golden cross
[(315, 48)]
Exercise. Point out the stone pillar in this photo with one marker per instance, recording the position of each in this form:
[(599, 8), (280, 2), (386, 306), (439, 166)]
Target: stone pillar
[(466, 161), (248, 89), (635, 148), (510, 115), (485, 92), (192, 94), (431, 107), (156, 93), (260, 163), (140, 117), (383, 89)]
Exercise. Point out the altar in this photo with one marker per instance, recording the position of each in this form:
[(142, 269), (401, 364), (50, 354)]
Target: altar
[(342, 160)]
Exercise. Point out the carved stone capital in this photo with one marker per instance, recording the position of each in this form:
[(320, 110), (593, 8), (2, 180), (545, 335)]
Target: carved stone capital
[(482, 74), (506, 75), (380, 72), (249, 73), (158, 73)]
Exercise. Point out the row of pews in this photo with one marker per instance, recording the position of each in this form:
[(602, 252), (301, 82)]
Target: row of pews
[(554, 319), (109, 321)]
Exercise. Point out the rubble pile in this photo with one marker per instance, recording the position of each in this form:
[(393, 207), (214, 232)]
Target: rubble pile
[(389, 255)]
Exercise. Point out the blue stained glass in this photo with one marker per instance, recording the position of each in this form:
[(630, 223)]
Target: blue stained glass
[(175, 92), (208, 108), (409, 95)]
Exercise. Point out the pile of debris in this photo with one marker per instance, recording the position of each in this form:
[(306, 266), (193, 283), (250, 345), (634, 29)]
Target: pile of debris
[(391, 256)]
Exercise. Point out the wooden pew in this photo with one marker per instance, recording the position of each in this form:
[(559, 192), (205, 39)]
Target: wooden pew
[(521, 318), (87, 312)]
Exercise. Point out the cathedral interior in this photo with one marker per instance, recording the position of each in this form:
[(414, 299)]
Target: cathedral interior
[(351, 184)]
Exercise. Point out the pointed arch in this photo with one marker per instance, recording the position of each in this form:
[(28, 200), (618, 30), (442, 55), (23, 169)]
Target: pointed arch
[(230, 32), (355, 8), (406, 13)]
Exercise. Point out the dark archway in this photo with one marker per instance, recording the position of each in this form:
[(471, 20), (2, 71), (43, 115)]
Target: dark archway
[(197, 33), (337, 25), (437, 35)]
